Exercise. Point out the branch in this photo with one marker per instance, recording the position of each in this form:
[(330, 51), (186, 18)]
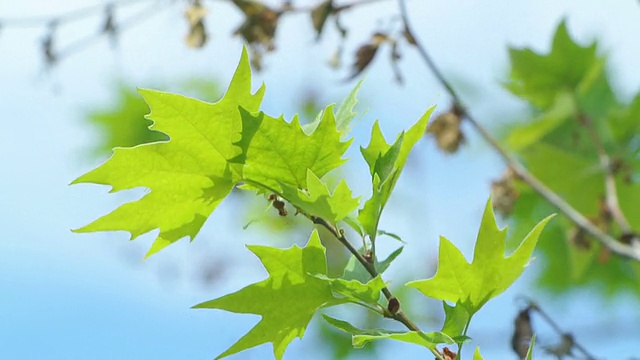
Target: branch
[(399, 316), (611, 193), (631, 251), (533, 306)]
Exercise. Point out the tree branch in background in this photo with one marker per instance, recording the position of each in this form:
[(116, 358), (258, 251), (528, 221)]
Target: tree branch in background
[(611, 193), (567, 341), (631, 251)]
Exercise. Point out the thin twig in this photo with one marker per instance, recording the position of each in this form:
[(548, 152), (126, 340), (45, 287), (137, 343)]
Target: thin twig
[(611, 193), (631, 251), (399, 316)]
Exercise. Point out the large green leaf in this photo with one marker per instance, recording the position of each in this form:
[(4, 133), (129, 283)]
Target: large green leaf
[(189, 175), (287, 300), (386, 162), (490, 273), (361, 337)]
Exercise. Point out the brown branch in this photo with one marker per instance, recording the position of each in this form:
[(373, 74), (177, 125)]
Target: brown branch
[(533, 306), (399, 316), (631, 251)]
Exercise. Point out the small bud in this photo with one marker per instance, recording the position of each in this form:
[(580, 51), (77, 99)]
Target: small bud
[(448, 354), (279, 204), (368, 256), (394, 305)]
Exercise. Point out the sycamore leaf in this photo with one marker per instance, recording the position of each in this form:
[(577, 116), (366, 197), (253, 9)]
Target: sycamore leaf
[(344, 114), (456, 319), (490, 273), (316, 200), (189, 175), (356, 291), (361, 337), (287, 300), (538, 78), (531, 131), (276, 151), (386, 162), (354, 270)]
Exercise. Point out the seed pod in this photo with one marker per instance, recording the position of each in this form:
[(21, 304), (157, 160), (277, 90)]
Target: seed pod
[(504, 193), (197, 36), (446, 129), (522, 333)]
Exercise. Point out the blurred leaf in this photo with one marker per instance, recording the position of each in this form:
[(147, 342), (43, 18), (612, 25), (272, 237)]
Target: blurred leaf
[(539, 78), (320, 14), (124, 124), (534, 130)]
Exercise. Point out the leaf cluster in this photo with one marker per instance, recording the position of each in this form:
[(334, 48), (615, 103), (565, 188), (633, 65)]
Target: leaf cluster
[(212, 148)]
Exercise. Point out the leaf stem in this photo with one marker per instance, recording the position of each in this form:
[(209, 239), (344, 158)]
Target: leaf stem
[(400, 316), (630, 251)]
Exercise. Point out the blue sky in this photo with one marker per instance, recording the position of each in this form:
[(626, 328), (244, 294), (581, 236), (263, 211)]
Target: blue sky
[(90, 296)]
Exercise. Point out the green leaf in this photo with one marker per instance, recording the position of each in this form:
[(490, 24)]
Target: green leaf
[(316, 200), (189, 175), (386, 162), (354, 270), (456, 319), (361, 337), (356, 291), (276, 151), (534, 130), (477, 355), (530, 351), (538, 78), (287, 300), (344, 115), (490, 272)]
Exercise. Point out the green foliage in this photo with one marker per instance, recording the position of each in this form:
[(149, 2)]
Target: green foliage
[(213, 148), (287, 300), (572, 99), (188, 176), (386, 162), (490, 273)]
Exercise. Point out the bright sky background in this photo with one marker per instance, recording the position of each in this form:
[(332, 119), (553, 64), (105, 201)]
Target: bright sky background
[(69, 296)]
